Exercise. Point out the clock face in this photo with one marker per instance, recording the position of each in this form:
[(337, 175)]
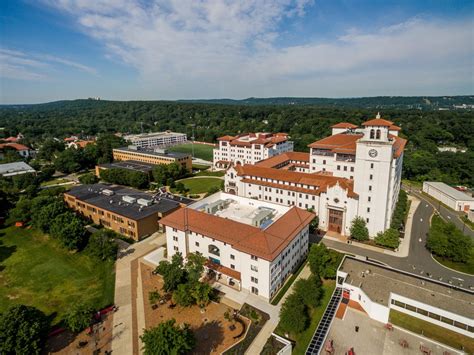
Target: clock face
[(373, 153)]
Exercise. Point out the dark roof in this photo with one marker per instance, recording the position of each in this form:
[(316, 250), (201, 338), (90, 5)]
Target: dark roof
[(130, 165), (151, 152), (92, 194)]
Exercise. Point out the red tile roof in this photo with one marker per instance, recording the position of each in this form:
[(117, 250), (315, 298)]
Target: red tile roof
[(319, 181), (268, 139), (394, 128), (398, 145), (283, 158), (344, 125), (378, 122), (16, 146), (343, 143), (223, 269), (266, 244)]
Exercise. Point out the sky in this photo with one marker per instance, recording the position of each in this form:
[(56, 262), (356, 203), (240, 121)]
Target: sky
[(190, 49)]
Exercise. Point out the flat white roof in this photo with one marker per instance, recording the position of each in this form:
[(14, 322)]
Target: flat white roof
[(15, 168), (449, 191), (241, 209), (153, 135)]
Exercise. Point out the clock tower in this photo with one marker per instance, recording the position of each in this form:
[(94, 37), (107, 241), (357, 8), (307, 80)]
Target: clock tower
[(373, 174)]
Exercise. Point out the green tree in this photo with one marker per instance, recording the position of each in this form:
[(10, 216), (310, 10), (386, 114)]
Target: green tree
[(390, 238), (293, 314), (313, 226), (105, 143), (154, 297), (23, 330), (21, 212), (50, 148), (309, 290), (102, 245), (201, 293), (359, 229), (167, 338), (195, 266), (183, 295), (79, 317), (46, 214), (10, 155), (173, 273), (88, 179), (323, 261), (69, 230)]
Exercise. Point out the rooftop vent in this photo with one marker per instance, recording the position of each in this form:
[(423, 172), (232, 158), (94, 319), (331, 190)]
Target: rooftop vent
[(129, 199), (107, 192), (144, 202)]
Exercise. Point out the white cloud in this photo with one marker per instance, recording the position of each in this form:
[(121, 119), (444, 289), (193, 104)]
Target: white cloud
[(19, 65), (216, 48)]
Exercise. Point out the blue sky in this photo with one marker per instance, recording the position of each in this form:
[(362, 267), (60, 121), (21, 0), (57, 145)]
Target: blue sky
[(173, 49)]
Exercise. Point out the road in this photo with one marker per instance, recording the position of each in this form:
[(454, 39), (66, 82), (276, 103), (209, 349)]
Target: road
[(419, 260)]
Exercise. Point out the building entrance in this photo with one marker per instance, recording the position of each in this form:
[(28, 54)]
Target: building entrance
[(335, 220)]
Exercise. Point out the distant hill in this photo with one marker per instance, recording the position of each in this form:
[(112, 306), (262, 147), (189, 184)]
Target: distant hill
[(379, 102)]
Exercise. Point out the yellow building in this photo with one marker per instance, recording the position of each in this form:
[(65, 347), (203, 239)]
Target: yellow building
[(155, 157)]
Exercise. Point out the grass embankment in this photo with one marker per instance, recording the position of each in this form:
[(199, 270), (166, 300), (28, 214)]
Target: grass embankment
[(302, 339), (200, 185), (287, 285), (201, 151), (432, 331), (36, 271), (55, 182), (467, 268)]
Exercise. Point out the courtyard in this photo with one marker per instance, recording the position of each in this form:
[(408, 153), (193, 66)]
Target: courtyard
[(213, 332), (372, 337)]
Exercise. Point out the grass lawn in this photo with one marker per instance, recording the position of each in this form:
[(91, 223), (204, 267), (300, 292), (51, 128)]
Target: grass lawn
[(432, 331), (210, 173), (468, 267), (200, 185), (36, 271), (201, 151), (302, 339)]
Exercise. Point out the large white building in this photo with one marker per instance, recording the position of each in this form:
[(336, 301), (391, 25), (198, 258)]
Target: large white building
[(250, 148), (157, 139), (455, 199), (380, 289), (353, 172), (250, 244)]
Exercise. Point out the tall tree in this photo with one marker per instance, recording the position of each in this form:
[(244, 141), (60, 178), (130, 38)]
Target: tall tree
[(359, 229), (167, 338)]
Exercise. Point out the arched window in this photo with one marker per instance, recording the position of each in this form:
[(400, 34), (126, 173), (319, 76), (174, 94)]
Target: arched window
[(372, 134), (214, 250), (378, 134)]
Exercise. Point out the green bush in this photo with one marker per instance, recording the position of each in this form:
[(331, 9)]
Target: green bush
[(79, 318), (390, 238), (323, 261), (88, 179), (398, 218), (102, 245), (359, 229)]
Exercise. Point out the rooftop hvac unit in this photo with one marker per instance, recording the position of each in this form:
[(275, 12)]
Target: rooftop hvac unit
[(129, 199), (144, 202), (107, 192)]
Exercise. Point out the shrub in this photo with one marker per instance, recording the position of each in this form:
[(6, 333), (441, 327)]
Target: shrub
[(79, 318), (88, 178), (398, 218), (390, 238), (359, 229), (167, 338)]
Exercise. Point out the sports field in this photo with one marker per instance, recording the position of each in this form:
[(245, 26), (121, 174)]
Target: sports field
[(201, 151)]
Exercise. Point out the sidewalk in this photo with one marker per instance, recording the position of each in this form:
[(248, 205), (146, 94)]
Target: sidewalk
[(404, 247), (124, 318)]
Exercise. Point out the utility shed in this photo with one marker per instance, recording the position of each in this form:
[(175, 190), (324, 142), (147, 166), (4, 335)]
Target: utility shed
[(457, 200)]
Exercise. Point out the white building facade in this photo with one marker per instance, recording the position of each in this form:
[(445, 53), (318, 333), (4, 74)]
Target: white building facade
[(242, 251), (456, 200), (354, 172), (250, 148), (156, 139), (378, 290)]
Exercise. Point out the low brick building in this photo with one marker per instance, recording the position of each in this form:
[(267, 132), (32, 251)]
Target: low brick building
[(155, 157), (129, 212)]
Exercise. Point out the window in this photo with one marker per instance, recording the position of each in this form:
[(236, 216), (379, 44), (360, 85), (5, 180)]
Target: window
[(232, 266), (352, 169), (324, 162), (370, 187), (175, 238), (345, 168), (410, 308), (422, 311), (369, 198), (253, 268), (368, 209), (254, 290), (434, 316), (232, 256), (372, 134), (371, 165), (338, 167), (175, 230), (377, 134), (367, 220), (214, 250), (175, 248), (196, 243), (254, 280), (371, 177), (253, 257)]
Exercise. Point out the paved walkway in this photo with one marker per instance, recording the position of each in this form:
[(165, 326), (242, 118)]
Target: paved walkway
[(125, 317)]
